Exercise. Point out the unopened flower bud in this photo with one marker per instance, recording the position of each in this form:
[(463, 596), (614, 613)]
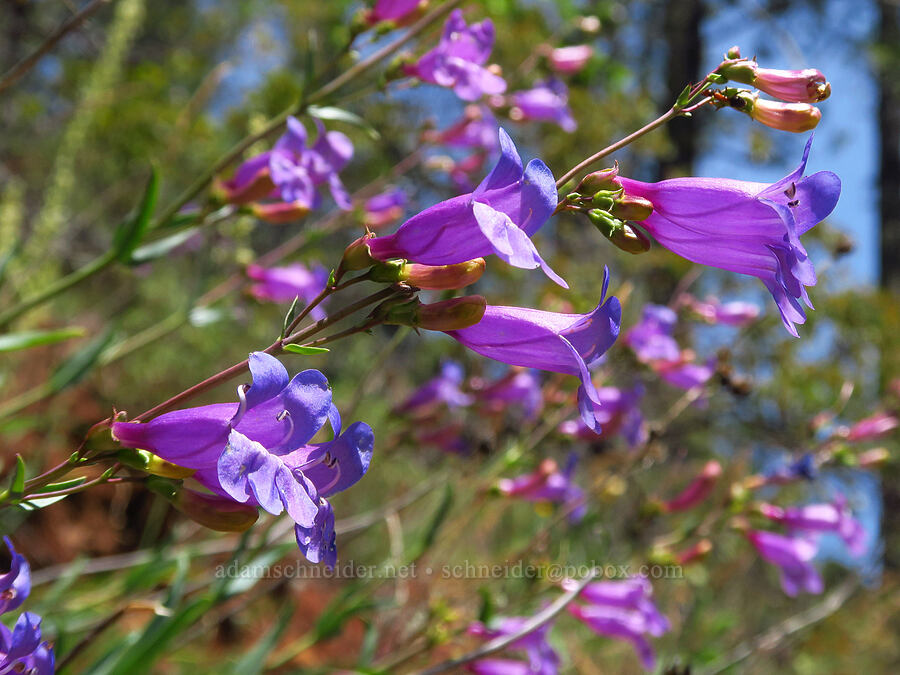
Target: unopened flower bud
[(605, 179), (794, 117), (629, 207), (698, 490), (733, 53), (145, 460), (454, 314), (794, 86), (570, 59), (258, 186), (356, 255), (430, 277), (696, 552), (279, 213), (873, 457), (619, 233), (215, 512)]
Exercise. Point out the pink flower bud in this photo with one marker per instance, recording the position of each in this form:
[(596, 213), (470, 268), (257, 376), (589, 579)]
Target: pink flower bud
[(431, 277), (279, 213), (629, 207), (794, 117), (794, 86), (356, 255), (454, 314), (876, 426), (606, 179), (696, 552), (698, 490), (570, 60)]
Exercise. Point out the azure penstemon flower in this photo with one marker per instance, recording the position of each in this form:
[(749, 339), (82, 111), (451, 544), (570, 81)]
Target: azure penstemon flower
[(459, 58), (442, 389), (518, 388), (749, 228), (21, 649), (651, 339), (559, 343), (792, 554), (384, 209), (830, 517), (15, 585), (548, 484), (283, 284), (509, 206), (735, 313), (621, 610), (477, 129), (392, 10), (542, 658), (547, 101), (618, 412), (258, 452)]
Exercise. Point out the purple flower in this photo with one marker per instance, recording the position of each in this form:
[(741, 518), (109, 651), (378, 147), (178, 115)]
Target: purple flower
[(518, 387), (542, 658), (384, 209), (548, 484), (21, 649), (792, 555), (443, 388), (749, 228), (622, 610), (618, 412), (735, 313), (651, 339), (298, 171), (15, 585), (509, 206), (391, 10), (683, 373), (834, 517), (459, 58), (258, 452), (477, 129), (571, 59), (283, 284), (559, 343), (870, 428), (547, 101)]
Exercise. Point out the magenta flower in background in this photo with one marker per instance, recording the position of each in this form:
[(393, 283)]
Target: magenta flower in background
[(749, 228), (792, 554), (21, 649), (698, 490), (736, 313), (569, 60), (440, 390), (622, 610), (520, 388), (547, 101), (384, 209), (251, 181), (542, 658), (548, 484), (391, 10), (651, 339), (283, 284), (459, 58), (559, 343), (15, 585), (870, 428), (618, 412), (477, 129), (833, 517), (509, 206), (684, 373), (258, 452)]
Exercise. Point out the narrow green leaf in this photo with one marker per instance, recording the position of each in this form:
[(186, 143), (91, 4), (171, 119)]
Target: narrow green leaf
[(75, 368), (17, 487), (300, 349), (129, 234), (684, 97), (289, 317), (160, 247), (64, 485), (34, 338), (335, 114)]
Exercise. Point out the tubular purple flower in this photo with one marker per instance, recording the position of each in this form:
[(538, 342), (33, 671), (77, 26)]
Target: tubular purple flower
[(542, 658), (618, 413), (547, 101), (384, 209), (548, 484), (21, 649), (683, 373), (734, 313), (392, 10), (283, 284), (651, 339), (870, 428), (257, 451), (459, 58), (792, 555), (440, 390), (570, 60), (15, 585), (833, 517), (559, 343), (519, 387), (507, 208), (749, 228), (477, 129)]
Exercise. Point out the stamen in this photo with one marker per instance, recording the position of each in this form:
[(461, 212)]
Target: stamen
[(791, 191), (313, 462), (242, 407), (285, 415), (334, 481)]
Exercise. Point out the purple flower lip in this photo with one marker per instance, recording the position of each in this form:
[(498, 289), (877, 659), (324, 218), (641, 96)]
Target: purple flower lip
[(748, 228), (499, 217), (547, 101), (792, 555)]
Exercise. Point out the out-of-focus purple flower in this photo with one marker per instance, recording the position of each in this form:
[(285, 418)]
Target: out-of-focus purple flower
[(257, 451), (542, 658), (833, 517), (15, 585), (683, 372), (870, 428), (698, 489), (618, 412), (548, 484), (499, 217), (392, 10), (651, 339), (449, 438), (792, 555), (459, 58), (518, 388), (477, 129), (570, 60), (384, 209), (21, 649), (251, 181), (547, 101), (622, 610), (559, 343), (283, 284), (734, 313), (440, 390), (749, 228)]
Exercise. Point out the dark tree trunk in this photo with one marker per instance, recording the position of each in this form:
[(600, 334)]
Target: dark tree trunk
[(682, 22), (889, 124)]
